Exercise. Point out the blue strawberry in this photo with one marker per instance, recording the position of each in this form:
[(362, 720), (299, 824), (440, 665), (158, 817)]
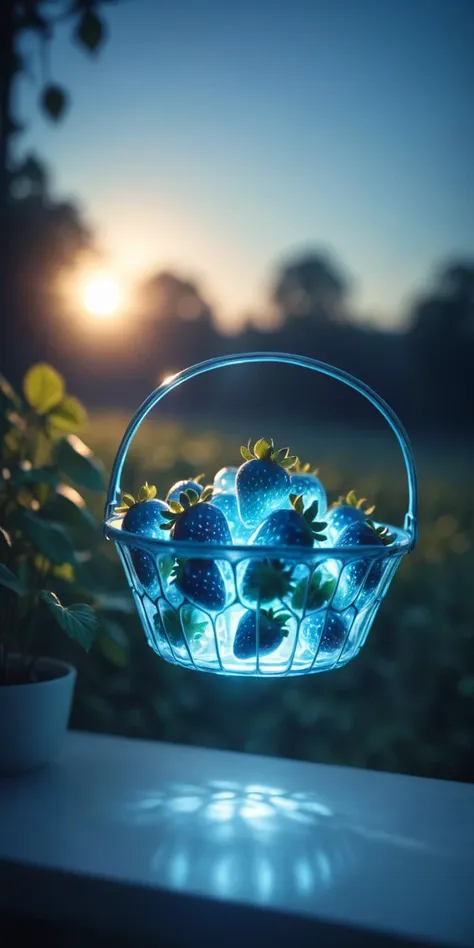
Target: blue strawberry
[(363, 533), (194, 519), (144, 517), (269, 579), (225, 479), (271, 628), (262, 483), (201, 582), (294, 527), (346, 511), (305, 481), (227, 502), (331, 627), (180, 486)]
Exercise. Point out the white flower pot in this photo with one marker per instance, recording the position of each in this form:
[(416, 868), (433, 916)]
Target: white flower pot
[(34, 716)]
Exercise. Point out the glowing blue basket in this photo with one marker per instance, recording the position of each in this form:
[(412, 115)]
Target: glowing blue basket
[(321, 636)]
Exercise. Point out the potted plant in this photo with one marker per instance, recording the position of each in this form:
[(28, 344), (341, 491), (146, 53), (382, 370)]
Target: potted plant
[(46, 533)]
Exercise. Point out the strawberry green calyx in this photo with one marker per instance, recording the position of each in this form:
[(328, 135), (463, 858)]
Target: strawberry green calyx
[(300, 468), (314, 595), (351, 500), (187, 499), (279, 618), (174, 625), (265, 451), (309, 516), (147, 492), (383, 533), (267, 580)]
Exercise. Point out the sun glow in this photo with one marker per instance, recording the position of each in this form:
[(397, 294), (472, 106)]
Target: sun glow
[(101, 296)]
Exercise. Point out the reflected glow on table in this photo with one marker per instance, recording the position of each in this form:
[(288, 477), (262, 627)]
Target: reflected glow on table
[(138, 837)]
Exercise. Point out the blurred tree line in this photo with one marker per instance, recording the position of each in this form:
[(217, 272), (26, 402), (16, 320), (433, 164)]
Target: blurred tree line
[(424, 372)]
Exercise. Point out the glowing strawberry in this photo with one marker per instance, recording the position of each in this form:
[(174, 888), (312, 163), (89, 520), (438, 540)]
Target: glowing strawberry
[(180, 486), (346, 511), (201, 581), (363, 533), (145, 517), (293, 527), (305, 481), (194, 519), (227, 502), (262, 483), (265, 580), (225, 479), (325, 631), (266, 627)]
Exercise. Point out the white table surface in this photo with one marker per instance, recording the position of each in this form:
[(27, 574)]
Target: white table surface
[(149, 838)]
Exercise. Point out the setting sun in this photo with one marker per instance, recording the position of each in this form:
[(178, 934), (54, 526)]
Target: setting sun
[(102, 296)]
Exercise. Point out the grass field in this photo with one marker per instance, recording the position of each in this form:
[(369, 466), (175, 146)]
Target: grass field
[(405, 704)]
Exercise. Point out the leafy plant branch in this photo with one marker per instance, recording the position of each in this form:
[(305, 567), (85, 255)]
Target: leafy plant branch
[(44, 520)]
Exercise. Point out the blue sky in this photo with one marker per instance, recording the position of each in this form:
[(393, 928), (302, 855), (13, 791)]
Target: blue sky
[(219, 137)]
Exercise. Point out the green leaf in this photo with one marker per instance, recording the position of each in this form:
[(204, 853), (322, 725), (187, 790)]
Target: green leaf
[(76, 460), (54, 101), (69, 509), (35, 475), (319, 593), (261, 448), (90, 32), (296, 502), (43, 388), (280, 455), (50, 539), (10, 581), (80, 622), (192, 496), (170, 623), (194, 623), (147, 492), (206, 494), (5, 541), (312, 511), (68, 416), (246, 454)]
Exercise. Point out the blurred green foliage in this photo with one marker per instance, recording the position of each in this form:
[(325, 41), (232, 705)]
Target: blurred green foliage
[(404, 704)]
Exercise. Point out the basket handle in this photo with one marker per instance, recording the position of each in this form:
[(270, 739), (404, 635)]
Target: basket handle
[(323, 368)]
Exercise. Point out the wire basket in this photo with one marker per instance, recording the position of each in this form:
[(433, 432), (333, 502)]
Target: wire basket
[(322, 633)]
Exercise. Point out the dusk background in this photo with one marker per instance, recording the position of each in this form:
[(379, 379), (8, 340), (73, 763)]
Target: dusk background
[(216, 139), (183, 181)]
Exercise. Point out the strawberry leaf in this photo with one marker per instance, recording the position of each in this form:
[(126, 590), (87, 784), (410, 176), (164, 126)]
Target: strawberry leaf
[(9, 581), (79, 621), (206, 494)]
